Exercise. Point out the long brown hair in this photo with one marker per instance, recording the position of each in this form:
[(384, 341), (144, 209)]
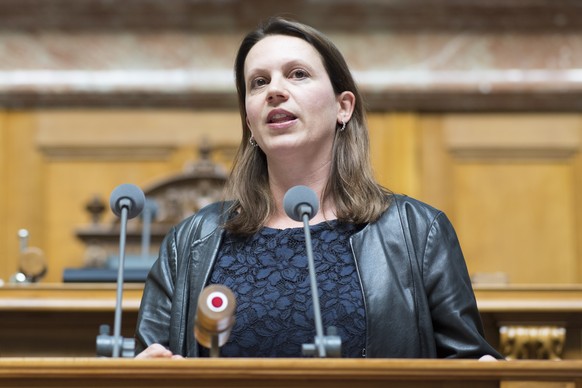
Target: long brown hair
[(351, 185)]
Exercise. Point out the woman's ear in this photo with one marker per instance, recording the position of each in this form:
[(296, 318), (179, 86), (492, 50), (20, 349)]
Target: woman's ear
[(347, 102)]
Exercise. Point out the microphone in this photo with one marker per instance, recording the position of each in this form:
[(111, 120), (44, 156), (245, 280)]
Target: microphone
[(300, 200), (127, 196), (214, 317), (301, 204), (126, 201)]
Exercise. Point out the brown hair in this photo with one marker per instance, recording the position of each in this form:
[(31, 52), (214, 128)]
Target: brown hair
[(351, 185)]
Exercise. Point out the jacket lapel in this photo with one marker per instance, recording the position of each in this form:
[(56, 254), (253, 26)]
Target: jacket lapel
[(203, 255)]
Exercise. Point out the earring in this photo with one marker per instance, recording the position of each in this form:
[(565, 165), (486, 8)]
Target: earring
[(252, 141), (343, 125)]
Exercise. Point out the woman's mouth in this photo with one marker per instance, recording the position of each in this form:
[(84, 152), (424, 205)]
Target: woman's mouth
[(280, 116)]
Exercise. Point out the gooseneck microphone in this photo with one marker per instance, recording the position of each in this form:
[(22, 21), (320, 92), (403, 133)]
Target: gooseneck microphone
[(299, 201), (127, 197), (301, 204), (126, 201)]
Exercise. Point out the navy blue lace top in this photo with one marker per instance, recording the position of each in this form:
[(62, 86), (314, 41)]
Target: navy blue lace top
[(268, 273)]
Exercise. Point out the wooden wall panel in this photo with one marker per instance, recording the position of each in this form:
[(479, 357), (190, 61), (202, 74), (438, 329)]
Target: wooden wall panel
[(577, 198), (22, 182), (54, 162), (512, 184), (4, 268), (70, 185), (509, 183), (92, 152), (117, 135), (517, 219), (394, 151), (435, 165)]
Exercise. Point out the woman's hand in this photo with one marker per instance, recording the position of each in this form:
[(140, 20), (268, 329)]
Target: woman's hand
[(157, 351)]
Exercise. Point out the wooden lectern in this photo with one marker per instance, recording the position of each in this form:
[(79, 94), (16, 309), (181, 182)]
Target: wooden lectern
[(283, 373)]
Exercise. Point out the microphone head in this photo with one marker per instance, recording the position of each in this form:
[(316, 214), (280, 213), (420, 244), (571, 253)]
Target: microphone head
[(214, 315), (134, 197), (300, 200)]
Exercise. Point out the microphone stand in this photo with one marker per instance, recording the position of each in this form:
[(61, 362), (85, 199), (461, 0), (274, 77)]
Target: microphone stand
[(149, 212), (324, 345), (124, 204), (108, 345), (131, 199)]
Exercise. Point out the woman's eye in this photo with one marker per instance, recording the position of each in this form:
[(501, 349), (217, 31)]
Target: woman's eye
[(258, 82), (299, 73)]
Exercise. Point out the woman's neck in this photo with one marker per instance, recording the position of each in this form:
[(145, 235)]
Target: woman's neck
[(283, 177)]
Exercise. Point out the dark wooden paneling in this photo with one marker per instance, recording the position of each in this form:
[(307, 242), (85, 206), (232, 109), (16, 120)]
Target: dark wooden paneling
[(326, 14)]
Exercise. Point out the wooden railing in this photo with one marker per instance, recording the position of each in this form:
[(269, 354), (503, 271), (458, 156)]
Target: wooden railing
[(56, 320), (61, 320), (283, 373)]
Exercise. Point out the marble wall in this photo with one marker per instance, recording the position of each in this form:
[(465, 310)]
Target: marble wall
[(420, 55)]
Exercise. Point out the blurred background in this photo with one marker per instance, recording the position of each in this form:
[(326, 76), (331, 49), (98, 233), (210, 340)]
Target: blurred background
[(473, 107)]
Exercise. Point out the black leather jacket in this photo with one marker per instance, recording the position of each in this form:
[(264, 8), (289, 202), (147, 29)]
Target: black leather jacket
[(417, 293)]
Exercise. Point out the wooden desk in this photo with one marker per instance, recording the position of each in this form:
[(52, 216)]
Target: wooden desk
[(533, 305), (547, 298), (56, 320), (283, 373)]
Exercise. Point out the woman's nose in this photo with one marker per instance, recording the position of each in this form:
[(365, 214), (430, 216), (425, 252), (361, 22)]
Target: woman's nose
[(277, 90)]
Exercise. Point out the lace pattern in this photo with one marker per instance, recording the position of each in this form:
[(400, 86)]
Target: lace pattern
[(269, 275)]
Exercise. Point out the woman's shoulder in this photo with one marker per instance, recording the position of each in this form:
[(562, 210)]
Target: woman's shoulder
[(415, 218), (204, 221), (410, 214), (408, 206)]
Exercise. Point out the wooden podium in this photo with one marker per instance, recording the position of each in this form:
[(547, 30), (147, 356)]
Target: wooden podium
[(283, 373), (62, 320)]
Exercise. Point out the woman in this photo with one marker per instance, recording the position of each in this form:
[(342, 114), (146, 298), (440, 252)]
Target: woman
[(391, 273)]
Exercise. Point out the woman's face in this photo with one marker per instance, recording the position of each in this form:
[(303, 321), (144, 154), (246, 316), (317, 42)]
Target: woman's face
[(290, 102)]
